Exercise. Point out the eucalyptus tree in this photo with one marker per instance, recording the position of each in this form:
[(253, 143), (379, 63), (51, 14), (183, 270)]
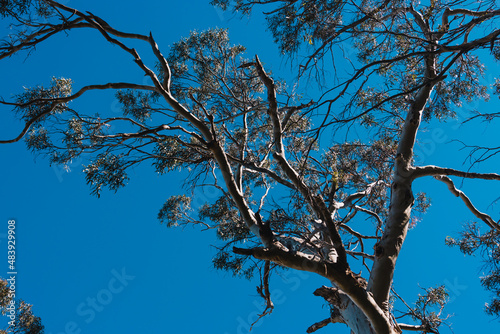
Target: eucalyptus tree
[(289, 190), (20, 314)]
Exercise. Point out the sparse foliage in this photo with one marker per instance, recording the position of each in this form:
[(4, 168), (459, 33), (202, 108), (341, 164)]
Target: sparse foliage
[(18, 313)]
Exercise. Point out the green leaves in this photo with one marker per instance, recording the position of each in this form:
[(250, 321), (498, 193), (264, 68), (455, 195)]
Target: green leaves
[(38, 139), (304, 22), (206, 75), (37, 101), (174, 210), (463, 85), (107, 170), (234, 264), (224, 215), (23, 7), (135, 104), (429, 307), (24, 321), (473, 241)]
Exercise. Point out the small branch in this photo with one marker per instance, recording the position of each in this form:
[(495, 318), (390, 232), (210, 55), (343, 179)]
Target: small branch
[(29, 124), (371, 213), (313, 328), (458, 193), (264, 292), (335, 35), (364, 255), (54, 102), (357, 234), (43, 34), (356, 196)]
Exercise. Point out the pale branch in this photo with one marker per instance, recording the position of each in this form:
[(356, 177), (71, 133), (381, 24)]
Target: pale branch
[(291, 110), (148, 131), (101, 23), (163, 62), (419, 19), (401, 201), (436, 171), (416, 328), (253, 167), (106, 29), (220, 155), (96, 24), (413, 328), (262, 199), (468, 203), (348, 201), (294, 260), (243, 149), (316, 202), (273, 107), (213, 145), (462, 11), (105, 26)]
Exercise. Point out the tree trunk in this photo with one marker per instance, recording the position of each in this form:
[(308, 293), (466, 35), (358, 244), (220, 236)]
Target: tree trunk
[(347, 312)]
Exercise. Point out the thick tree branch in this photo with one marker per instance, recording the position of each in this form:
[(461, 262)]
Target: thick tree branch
[(436, 171), (462, 11), (163, 89), (401, 202), (344, 279)]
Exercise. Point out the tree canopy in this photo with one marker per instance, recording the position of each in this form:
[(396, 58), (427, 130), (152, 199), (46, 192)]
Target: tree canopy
[(318, 181)]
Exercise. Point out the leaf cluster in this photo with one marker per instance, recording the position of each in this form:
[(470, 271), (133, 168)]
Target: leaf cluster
[(486, 244)]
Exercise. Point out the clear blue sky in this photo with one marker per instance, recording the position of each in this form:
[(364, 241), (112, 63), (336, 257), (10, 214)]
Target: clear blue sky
[(106, 265)]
